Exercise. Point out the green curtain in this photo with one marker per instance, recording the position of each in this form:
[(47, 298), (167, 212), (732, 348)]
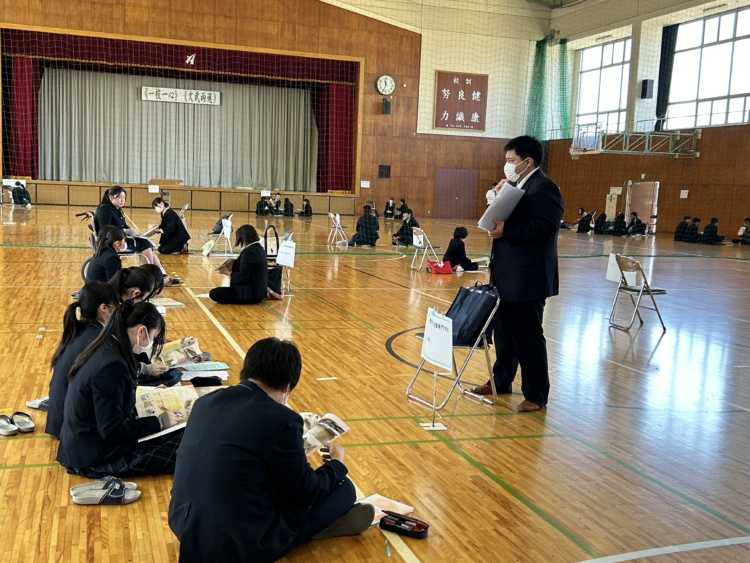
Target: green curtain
[(562, 89), (536, 108)]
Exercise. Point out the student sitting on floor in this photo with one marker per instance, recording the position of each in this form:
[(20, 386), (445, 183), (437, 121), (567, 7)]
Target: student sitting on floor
[(96, 302), (619, 227), (405, 235), (679, 232), (390, 208), (133, 284), (21, 195), (691, 232), (710, 233), (456, 252), (367, 229), (288, 208), (600, 225), (106, 262), (248, 273), (306, 208), (743, 233), (100, 428), (636, 226), (174, 236), (243, 487)]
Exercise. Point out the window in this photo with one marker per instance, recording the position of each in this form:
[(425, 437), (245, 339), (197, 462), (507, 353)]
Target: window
[(710, 82), (603, 85)]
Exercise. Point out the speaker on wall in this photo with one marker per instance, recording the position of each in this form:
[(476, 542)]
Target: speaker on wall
[(386, 107), (647, 89)]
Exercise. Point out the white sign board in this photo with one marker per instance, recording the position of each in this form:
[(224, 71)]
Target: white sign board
[(265, 193), (153, 189), (613, 272), (683, 194), (179, 96), (615, 190), (364, 184), (437, 346), (285, 255)]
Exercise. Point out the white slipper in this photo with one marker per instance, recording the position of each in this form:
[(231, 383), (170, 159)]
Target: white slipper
[(7, 428), (101, 485), (116, 494), (42, 403), (23, 422)]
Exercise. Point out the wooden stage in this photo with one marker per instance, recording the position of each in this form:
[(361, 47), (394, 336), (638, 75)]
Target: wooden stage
[(644, 445)]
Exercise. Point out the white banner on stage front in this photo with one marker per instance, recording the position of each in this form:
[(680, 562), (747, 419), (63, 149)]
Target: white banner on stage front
[(437, 347), (285, 255)]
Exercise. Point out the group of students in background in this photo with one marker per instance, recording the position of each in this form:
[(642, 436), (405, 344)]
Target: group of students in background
[(687, 230), (588, 222), (274, 206)]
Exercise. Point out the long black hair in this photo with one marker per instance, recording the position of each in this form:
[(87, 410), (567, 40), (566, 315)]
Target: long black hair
[(158, 277), (133, 278), (115, 332), (107, 237), (91, 296), (246, 235), (114, 191)]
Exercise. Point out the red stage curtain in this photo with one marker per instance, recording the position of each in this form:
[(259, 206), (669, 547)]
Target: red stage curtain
[(24, 156)]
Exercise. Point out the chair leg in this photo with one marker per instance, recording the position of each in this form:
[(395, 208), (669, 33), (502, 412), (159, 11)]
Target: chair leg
[(656, 308)]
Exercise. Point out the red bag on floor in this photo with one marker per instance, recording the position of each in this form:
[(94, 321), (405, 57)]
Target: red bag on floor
[(435, 267)]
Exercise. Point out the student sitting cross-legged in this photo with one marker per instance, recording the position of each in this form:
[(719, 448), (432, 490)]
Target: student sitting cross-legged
[(100, 429), (248, 273), (243, 488)]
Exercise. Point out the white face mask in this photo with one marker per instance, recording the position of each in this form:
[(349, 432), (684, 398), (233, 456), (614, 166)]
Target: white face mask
[(138, 349), (159, 209), (510, 171)]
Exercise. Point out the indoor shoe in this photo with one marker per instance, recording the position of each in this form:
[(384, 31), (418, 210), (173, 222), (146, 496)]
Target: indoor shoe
[(23, 422), (42, 403), (7, 428), (528, 406), (101, 485), (357, 520), (117, 493)]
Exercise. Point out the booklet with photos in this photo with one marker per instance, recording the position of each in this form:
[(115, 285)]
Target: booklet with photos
[(319, 431), (152, 401), (179, 353)]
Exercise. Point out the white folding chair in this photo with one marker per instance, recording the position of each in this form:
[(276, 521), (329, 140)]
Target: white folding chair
[(336, 234), (456, 376), (184, 209), (226, 234), (631, 266), (422, 244)]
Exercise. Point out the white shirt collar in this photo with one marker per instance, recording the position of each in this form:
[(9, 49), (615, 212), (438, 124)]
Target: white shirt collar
[(522, 182)]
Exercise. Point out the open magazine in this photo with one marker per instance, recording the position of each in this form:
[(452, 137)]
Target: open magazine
[(321, 431), (152, 401), (179, 353), (228, 263)]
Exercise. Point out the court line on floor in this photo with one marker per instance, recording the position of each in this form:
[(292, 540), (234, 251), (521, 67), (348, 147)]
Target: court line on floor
[(401, 548), (682, 548)]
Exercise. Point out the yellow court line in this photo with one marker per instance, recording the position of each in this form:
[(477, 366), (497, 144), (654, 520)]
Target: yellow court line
[(397, 543)]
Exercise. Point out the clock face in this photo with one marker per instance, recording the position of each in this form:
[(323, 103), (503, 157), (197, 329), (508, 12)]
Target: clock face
[(386, 85)]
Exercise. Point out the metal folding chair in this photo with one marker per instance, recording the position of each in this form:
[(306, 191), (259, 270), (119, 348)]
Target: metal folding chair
[(630, 265), (337, 234), (457, 374), (422, 244)]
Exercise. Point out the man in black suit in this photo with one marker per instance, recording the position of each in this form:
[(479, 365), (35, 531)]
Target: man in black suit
[(679, 232), (243, 488), (524, 270)]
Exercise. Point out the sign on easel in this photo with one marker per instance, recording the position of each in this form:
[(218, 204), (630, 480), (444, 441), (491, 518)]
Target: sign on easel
[(437, 346), (286, 252)]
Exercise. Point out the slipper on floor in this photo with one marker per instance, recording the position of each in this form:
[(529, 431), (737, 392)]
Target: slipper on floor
[(116, 494), (23, 422), (42, 403), (101, 485), (7, 428)]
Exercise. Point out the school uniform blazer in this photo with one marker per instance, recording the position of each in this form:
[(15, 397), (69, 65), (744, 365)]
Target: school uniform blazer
[(249, 277), (406, 232), (367, 228), (99, 421), (243, 485), (173, 229), (108, 214), (104, 266), (58, 385), (524, 259), (456, 253)]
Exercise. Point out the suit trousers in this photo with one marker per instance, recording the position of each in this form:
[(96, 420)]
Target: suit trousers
[(519, 339), (230, 296)]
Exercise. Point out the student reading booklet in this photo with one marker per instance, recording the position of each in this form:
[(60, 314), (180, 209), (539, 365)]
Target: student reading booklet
[(179, 352), (226, 264), (321, 431), (152, 401)]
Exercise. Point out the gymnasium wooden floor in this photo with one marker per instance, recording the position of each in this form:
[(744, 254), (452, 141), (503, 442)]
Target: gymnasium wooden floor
[(644, 445)]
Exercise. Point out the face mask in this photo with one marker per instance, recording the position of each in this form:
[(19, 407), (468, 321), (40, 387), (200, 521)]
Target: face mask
[(510, 171), (159, 210), (138, 349)]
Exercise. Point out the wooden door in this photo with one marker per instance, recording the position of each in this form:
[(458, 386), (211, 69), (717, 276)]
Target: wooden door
[(456, 193)]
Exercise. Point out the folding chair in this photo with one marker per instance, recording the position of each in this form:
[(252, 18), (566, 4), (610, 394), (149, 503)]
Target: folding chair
[(226, 234), (630, 265), (337, 234), (182, 212), (480, 342), (422, 244)]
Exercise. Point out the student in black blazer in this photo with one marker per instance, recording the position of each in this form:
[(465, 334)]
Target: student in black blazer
[(174, 236), (390, 208), (367, 229), (96, 301), (405, 235), (306, 208), (524, 270), (456, 252), (288, 208), (100, 430), (106, 262), (243, 488), (133, 284), (248, 276)]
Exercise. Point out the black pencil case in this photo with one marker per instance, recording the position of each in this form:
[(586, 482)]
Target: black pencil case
[(403, 525)]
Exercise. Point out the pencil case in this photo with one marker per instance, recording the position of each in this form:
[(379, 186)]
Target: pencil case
[(403, 525)]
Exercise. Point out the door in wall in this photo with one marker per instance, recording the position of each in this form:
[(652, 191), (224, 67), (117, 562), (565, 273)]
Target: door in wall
[(643, 198), (456, 193)]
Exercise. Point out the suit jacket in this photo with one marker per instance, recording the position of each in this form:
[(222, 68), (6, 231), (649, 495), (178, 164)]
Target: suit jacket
[(104, 266), (524, 259), (243, 485), (173, 229), (405, 234), (456, 254), (58, 385), (249, 277), (108, 214), (99, 421), (367, 228), (679, 232)]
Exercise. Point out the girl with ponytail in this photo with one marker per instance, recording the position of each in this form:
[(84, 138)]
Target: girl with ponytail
[(133, 284), (106, 262), (100, 428), (82, 323)]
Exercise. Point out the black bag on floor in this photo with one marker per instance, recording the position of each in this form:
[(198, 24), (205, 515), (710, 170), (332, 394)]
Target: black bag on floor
[(469, 312), (270, 244), (274, 277)]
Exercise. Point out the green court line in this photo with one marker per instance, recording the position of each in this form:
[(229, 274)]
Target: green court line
[(324, 300), (280, 316), (31, 466), (522, 499), (466, 439), (32, 437), (644, 475)]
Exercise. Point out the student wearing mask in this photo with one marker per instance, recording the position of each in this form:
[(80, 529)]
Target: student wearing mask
[(133, 284), (82, 323), (248, 273), (174, 236), (100, 429), (106, 261), (390, 208)]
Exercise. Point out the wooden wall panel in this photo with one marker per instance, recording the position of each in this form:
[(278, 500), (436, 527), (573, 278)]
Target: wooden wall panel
[(88, 196), (235, 202), (341, 205), (52, 194), (319, 203), (204, 199)]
